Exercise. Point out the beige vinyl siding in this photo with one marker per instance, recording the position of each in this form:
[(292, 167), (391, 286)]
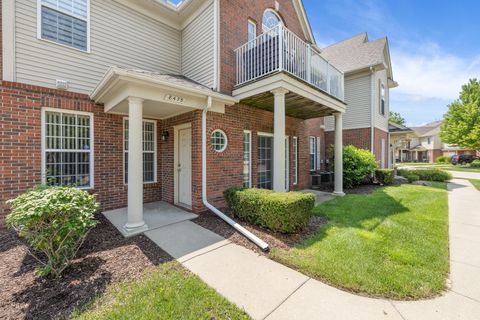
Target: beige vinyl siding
[(198, 48), (381, 121), (357, 97), (118, 36)]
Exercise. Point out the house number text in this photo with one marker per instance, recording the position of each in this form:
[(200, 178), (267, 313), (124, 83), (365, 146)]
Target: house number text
[(174, 99)]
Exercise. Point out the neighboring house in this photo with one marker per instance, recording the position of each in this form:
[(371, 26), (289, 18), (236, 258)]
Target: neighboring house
[(368, 80), (423, 143), (141, 101)]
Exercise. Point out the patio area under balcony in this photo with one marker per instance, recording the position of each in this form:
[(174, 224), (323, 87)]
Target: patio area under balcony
[(279, 58)]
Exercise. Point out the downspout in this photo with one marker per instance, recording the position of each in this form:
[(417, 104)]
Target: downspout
[(220, 214)]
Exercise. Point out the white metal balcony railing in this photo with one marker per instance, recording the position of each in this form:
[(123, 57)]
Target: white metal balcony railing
[(279, 49)]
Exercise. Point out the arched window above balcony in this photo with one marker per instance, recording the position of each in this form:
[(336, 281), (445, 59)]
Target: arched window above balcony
[(270, 20)]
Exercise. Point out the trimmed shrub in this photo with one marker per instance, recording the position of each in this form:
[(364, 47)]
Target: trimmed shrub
[(53, 221), (443, 159), (282, 212), (385, 176), (358, 164), (475, 164), (425, 174)]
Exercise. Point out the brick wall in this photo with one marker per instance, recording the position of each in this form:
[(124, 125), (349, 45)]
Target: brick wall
[(359, 138), (20, 143), (20, 147), (234, 17), (378, 136)]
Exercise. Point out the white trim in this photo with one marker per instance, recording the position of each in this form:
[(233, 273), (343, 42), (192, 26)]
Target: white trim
[(176, 129), (318, 153), (314, 139), (92, 143), (250, 154), (295, 156), (39, 24), (276, 14), (224, 136), (155, 154), (287, 163), (251, 42), (265, 134), (8, 40)]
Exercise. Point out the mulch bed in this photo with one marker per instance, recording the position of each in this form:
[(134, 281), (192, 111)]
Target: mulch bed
[(105, 257), (210, 221)]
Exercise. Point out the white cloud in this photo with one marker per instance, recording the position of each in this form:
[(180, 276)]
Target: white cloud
[(427, 72)]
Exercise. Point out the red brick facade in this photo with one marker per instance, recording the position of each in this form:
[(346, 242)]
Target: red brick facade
[(234, 16), (361, 138), (20, 147)]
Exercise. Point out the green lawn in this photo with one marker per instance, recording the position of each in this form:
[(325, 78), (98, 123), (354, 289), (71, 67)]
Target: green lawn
[(462, 168), (167, 292), (476, 183), (391, 243)]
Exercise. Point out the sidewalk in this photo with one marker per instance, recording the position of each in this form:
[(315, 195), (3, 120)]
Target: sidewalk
[(269, 290)]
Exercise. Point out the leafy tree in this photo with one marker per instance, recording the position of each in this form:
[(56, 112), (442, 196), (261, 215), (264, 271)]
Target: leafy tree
[(461, 124), (397, 118)]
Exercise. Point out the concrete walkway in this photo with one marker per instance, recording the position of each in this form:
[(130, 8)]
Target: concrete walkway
[(269, 290)]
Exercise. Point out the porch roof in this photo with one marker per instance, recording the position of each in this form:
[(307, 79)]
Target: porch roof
[(165, 95), (302, 101)]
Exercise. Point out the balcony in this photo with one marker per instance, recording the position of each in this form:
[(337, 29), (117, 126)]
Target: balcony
[(280, 50)]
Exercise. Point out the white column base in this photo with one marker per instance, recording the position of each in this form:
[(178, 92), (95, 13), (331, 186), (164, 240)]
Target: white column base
[(338, 193)]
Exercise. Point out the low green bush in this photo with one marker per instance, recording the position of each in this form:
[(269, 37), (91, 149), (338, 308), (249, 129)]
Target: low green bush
[(53, 221), (443, 159), (282, 212), (425, 174), (475, 164), (385, 176), (358, 165)]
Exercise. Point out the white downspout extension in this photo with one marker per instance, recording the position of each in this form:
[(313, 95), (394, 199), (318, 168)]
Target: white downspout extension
[(259, 242)]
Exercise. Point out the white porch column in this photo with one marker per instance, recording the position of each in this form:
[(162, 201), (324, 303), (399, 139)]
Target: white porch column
[(135, 165), (279, 140), (338, 154)]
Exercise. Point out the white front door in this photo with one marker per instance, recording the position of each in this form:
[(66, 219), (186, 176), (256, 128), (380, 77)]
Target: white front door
[(184, 166)]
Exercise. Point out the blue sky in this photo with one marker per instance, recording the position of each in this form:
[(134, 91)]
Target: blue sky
[(434, 45)]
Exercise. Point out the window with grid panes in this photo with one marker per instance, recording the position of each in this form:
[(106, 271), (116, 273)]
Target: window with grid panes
[(149, 151)]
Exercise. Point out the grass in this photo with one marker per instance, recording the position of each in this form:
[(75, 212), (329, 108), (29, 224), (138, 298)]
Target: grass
[(391, 243), (462, 168), (476, 183), (167, 292)]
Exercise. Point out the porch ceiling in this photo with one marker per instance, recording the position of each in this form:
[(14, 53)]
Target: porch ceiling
[(296, 105), (302, 100)]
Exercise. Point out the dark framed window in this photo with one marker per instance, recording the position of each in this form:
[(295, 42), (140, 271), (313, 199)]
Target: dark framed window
[(265, 162)]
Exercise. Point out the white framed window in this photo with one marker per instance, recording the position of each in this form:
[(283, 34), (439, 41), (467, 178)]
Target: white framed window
[(65, 22), (312, 153), (67, 148), (252, 33), (247, 159), (219, 140), (318, 155), (270, 20), (265, 161), (295, 160), (382, 98), (149, 145)]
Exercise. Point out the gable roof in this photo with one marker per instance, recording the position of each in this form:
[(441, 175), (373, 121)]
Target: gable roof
[(357, 53), (430, 129)]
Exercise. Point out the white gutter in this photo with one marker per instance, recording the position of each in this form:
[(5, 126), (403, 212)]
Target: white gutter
[(259, 242)]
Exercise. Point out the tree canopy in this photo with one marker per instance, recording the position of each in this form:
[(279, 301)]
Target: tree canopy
[(461, 124), (397, 118)]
